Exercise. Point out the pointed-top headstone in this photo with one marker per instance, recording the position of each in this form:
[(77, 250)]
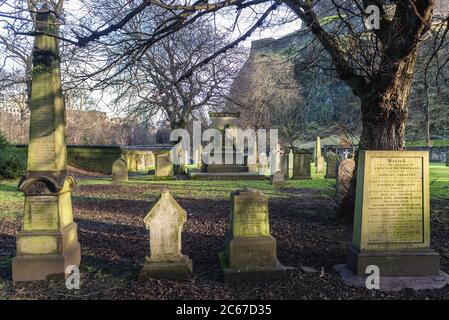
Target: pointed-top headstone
[(165, 221)]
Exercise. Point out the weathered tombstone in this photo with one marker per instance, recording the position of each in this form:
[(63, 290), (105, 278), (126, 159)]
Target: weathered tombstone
[(301, 164), (320, 164), (48, 241), (164, 167), (119, 171), (331, 168), (345, 172), (250, 248), (277, 179), (285, 162), (165, 221), (392, 215), (319, 159)]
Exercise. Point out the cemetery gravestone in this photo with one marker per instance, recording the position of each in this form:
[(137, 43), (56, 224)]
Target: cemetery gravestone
[(48, 241), (392, 215), (119, 171), (285, 163), (250, 248), (164, 167), (331, 168), (344, 176), (165, 221), (278, 179), (319, 159), (301, 164)]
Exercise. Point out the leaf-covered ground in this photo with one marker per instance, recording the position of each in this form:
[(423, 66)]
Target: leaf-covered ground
[(114, 241)]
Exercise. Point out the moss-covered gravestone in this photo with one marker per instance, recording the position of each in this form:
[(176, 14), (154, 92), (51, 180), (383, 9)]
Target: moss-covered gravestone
[(392, 215), (250, 248), (165, 221), (48, 241), (301, 164), (119, 171), (163, 166), (331, 167)]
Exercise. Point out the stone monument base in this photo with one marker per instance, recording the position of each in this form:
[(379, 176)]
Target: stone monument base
[(167, 270), (31, 267), (225, 168), (276, 272), (394, 283), (413, 263), (226, 176), (301, 178)]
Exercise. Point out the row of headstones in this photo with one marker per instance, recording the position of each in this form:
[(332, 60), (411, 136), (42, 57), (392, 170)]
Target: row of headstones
[(302, 160), (250, 248)]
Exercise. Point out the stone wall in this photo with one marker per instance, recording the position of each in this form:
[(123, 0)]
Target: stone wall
[(101, 158), (436, 154), (93, 158)]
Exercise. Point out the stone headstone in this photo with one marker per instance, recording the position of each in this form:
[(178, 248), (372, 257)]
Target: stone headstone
[(345, 172), (165, 221), (48, 241), (392, 215), (277, 179), (301, 164), (164, 166), (250, 248), (319, 164), (317, 148), (119, 171), (285, 163), (331, 166)]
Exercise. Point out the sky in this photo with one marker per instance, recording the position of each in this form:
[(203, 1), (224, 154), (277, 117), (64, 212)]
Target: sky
[(246, 20), (76, 7), (76, 10)]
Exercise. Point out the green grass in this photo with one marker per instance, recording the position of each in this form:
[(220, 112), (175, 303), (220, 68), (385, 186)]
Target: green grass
[(422, 143), (11, 200), (439, 181)]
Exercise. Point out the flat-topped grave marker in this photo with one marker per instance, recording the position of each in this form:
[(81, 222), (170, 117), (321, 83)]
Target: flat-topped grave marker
[(392, 216), (250, 248), (301, 164)]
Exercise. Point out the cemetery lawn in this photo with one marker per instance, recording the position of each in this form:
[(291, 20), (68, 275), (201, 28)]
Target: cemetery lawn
[(114, 241)]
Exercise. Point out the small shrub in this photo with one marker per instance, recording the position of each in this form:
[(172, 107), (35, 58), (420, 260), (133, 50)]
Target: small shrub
[(12, 162)]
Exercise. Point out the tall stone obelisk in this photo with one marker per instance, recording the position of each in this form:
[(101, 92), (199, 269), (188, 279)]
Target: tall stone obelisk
[(48, 241)]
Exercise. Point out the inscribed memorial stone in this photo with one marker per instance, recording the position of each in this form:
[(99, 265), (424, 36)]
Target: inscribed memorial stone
[(392, 214), (165, 221)]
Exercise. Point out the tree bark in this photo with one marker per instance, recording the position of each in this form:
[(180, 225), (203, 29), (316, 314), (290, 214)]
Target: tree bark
[(384, 118)]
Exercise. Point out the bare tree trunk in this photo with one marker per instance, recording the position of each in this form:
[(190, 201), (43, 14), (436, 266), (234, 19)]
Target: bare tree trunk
[(384, 118), (427, 113)]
